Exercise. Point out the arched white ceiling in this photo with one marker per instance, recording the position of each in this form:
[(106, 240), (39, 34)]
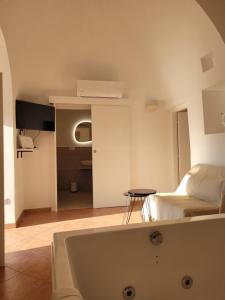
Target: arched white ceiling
[(153, 46), (215, 9)]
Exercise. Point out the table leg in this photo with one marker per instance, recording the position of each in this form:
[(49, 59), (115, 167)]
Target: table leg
[(131, 206), (141, 204), (128, 208)]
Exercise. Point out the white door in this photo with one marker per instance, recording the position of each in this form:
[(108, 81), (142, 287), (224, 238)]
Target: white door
[(184, 153), (111, 154)]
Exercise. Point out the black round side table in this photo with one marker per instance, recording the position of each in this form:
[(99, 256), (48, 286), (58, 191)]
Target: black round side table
[(137, 195)]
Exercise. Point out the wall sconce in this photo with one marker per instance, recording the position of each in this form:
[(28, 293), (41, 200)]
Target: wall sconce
[(152, 106)]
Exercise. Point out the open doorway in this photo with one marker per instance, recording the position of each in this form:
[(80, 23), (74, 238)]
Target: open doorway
[(183, 144), (74, 158)]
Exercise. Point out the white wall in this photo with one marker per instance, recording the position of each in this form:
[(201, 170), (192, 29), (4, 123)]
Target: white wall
[(7, 185), (1, 176), (20, 191), (181, 70), (37, 173), (8, 120), (154, 47)]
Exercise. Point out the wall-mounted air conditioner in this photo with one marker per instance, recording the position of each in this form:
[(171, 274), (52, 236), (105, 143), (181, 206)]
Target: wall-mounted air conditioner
[(99, 89)]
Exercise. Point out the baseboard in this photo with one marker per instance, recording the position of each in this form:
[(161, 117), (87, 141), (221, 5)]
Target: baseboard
[(10, 226), (31, 210), (37, 210), (19, 219)]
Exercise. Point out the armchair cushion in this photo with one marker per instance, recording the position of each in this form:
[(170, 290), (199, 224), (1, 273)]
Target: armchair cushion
[(205, 182), (201, 192), (172, 206)]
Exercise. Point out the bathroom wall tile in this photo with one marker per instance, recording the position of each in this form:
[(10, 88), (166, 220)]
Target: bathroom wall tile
[(68, 168)]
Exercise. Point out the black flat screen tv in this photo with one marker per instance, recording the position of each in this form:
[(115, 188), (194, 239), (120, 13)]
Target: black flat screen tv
[(34, 116)]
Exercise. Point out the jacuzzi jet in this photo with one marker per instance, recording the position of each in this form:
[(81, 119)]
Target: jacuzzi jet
[(156, 238), (187, 282), (129, 293)]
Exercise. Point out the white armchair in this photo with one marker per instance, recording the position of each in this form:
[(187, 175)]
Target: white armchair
[(201, 192)]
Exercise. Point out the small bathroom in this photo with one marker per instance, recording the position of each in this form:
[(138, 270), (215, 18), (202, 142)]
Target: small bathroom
[(74, 158)]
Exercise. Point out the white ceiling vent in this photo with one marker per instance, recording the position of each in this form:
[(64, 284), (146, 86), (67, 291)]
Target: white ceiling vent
[(207, 62)]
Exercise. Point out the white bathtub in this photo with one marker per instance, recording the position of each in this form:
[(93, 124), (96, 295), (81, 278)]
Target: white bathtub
[(117, 262)]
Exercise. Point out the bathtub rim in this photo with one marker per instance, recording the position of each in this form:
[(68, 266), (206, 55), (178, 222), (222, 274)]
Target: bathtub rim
[(61, 271)]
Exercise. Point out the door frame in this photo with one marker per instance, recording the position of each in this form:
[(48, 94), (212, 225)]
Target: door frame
[(63, 102), (175, 154), (55, 181)]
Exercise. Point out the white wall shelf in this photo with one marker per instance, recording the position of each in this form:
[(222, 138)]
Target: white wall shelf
[(84, 102)]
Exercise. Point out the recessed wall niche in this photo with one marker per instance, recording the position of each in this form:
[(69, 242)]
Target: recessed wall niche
[(214, 109)]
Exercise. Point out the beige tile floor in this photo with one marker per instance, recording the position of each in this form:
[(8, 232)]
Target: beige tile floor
[(68, 200), (27, 274)]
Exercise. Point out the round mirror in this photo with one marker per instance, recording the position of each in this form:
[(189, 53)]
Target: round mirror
[(82, 132)]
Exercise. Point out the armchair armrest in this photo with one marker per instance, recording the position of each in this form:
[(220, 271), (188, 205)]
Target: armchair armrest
[(222, 205)]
